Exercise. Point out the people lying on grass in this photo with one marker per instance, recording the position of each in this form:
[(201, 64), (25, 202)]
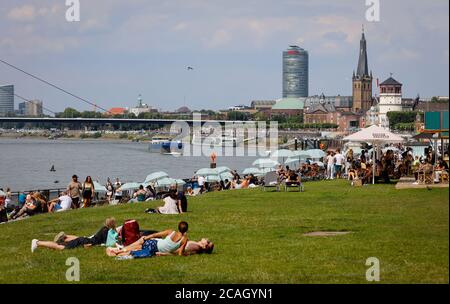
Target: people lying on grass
[(63, 241), (32, 206), (139, 196), (62, 203), (194, 247), (165, 242), (170, 204), (243, 185)]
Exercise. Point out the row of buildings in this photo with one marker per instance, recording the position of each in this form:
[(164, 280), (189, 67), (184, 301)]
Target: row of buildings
[(348, 112), (28, 108)]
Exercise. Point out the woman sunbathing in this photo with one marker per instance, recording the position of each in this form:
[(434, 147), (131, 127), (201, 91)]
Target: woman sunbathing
[(166, 242), (193, 247)]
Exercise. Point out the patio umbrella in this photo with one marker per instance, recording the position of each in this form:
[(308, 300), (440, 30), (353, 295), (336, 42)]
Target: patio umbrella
[(213, 178), (226, 175), (254, 171), (265, 163), (155, 176), (375, 135), (292, 161), (207, 171), (316, 153), (2, 194), (130, 186), (166, 181), (283, 154), (99, 188), (300, 154), (223, 169)]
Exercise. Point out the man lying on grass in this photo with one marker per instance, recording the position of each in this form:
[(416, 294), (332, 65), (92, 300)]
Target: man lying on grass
[(63, 241)]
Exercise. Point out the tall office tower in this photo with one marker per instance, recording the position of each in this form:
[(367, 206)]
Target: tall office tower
[(6, 99), (295, 72)]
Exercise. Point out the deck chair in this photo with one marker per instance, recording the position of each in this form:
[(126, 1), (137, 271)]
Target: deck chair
[(298, 186), (271, 179)]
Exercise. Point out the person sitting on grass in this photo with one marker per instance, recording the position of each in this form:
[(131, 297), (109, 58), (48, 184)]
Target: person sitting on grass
[(165, 242), (63, 241), (170, 204), (62, 203), (31, 207), (139, 196)]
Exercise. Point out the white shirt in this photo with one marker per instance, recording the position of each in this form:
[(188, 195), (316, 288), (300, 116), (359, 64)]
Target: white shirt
[(201, 181), (170, 206), (65, 202), (339, 159)]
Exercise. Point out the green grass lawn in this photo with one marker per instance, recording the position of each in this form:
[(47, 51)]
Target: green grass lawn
[(259, 239)]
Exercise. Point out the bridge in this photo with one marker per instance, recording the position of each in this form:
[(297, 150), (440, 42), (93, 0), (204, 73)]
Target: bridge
[(78, 123)]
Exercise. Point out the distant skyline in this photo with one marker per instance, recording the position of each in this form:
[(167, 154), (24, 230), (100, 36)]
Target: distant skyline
[(121, 49)]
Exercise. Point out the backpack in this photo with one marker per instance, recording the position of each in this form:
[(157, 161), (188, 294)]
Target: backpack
[(130, 232)]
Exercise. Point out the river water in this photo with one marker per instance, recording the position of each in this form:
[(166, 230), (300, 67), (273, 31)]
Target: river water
[(25, 163)]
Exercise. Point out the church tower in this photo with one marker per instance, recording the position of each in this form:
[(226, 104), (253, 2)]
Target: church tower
[(362, 81)]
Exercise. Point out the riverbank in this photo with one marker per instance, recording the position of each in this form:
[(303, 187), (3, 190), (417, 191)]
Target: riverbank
[(407, 230)]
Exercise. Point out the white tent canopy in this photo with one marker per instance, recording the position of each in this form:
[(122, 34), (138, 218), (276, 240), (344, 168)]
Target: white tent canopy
[(375, 135)]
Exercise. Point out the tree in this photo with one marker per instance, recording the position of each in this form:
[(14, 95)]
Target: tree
[(69, 113), (400, 117)]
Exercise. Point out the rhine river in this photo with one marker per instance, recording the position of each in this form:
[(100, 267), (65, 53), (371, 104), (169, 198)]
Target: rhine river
[(25, 163)]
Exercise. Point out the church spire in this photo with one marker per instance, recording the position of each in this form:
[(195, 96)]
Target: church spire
[(363, 68)]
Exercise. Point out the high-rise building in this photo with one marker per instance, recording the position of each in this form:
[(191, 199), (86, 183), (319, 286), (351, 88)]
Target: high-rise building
[(6, 99), (362, 81), (295, 72), (31, 108)]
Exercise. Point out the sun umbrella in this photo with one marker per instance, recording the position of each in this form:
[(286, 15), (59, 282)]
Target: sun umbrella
[(254, 171), (166, 181), (283, 154), (130, 186), (155, 176), (180, 181), (206, 171), (2, 194), (316, 153), (265, 163), (293, 161), (213, 178), (99, 188), (300, 155), (226, 175), (223, 169)]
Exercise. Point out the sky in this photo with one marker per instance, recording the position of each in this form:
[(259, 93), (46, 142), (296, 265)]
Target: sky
[(121, 49)]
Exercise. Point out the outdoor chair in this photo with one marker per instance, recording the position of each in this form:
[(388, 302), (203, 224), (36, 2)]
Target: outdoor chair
[(297, 185), (426, 175), (271, 180), (444, 176)]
